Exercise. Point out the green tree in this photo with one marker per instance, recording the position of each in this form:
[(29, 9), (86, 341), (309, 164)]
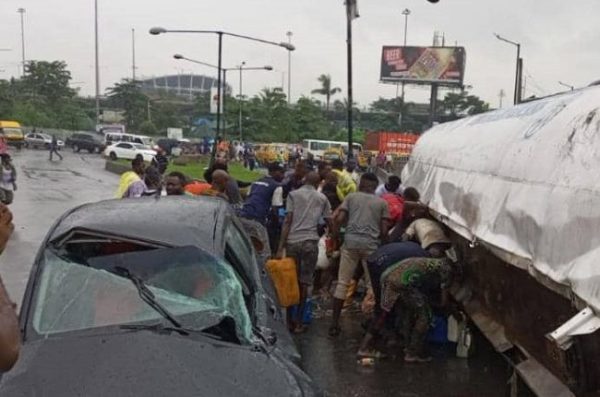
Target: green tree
[(148, 128), (128, 95), (49, 80), (326, 89), (309, 120), (457, 105)]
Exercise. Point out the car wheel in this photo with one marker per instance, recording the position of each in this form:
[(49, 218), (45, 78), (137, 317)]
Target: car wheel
[(47, 146), (113, 156), (76, 148)]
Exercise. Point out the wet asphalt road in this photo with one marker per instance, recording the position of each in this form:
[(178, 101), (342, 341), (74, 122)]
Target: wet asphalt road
[(48, 189)]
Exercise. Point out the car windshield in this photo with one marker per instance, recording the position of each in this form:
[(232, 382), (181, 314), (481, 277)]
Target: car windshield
[(75, 294)]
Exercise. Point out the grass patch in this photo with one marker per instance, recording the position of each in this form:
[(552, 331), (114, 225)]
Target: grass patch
[(196, 170)]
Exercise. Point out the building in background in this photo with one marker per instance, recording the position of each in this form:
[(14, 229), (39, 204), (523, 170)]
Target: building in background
[(182, 85)]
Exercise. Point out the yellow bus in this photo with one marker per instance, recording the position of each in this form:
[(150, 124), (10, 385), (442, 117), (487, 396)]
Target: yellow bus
[(13, 133)]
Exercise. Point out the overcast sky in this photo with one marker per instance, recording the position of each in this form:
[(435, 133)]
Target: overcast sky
[(560, 40)]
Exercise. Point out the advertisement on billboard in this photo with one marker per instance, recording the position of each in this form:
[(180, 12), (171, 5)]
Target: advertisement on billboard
[(423, 65)]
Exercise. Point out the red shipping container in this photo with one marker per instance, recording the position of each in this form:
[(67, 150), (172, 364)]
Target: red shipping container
[(390, 142)]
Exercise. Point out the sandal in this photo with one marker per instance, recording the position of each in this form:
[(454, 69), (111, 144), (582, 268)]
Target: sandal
[(371, 354), (334, 331)]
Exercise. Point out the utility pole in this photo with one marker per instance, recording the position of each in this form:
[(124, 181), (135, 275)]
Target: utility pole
[(289, 94), (351, 14), (241, 100), (406, 13), (22, 12), (97, 63), (501, 96), (133, 67)]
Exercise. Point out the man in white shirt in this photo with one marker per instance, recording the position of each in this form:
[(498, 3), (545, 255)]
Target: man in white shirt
[(393, 185)]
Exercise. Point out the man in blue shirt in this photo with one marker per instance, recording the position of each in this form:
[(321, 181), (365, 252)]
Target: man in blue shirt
[(265, 194)]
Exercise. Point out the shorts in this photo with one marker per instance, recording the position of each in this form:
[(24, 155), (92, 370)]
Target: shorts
[(350, 259), (306, 254)]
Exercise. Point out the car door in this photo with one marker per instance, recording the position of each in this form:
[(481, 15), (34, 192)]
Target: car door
[(269, 314), (125, 150)]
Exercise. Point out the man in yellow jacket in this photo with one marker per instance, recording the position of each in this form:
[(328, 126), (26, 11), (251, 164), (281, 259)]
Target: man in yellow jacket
[(345, 184), (130, 177)]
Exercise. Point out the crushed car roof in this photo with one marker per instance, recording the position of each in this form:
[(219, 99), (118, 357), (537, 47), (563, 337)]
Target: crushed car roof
[(176, 221)]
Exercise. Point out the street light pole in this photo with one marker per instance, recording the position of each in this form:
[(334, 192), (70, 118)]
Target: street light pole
[(133, 67), (406, 13), (160, 30), (241, 69), (97, 63), (519, 72), (22, 12), (241, 102), (289, 35)]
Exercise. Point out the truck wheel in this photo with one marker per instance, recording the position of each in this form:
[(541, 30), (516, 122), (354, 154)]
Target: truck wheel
[(113, 156)]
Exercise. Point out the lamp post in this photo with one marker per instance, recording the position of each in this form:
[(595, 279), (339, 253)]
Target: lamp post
[(406, 13), (97, 62), (289, 35), (519, 72), (241, 68), (22, 12), (569, 86), (220, 34)]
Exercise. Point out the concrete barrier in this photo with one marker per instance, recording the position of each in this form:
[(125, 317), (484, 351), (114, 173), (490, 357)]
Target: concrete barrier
[(116, 168)]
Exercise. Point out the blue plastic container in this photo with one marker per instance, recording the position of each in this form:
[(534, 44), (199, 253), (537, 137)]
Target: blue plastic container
[(438, 332)]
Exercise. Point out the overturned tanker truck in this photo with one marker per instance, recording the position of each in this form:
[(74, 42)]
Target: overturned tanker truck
[(519, 189)]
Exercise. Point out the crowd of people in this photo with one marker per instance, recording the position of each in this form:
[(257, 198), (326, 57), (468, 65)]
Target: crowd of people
[(379, 237)]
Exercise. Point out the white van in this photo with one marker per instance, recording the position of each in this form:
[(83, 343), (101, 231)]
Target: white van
[(113, 137)]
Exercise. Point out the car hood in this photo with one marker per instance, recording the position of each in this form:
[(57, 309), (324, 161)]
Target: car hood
[(144, 363)]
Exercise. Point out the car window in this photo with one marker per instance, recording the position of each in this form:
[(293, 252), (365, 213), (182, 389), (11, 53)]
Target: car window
[(199, 289), (124, 146)]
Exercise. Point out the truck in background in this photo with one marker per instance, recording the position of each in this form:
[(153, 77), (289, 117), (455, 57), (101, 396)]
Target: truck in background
[(399, 143), (110, 129), (519, 190), (13, 133)]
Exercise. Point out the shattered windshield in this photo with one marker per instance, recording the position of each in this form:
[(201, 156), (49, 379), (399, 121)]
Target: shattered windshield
[(197, 288)]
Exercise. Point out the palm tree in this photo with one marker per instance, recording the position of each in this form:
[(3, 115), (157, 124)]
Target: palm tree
[(326, 89)]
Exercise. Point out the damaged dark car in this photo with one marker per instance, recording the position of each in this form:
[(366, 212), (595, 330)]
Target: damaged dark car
[(152, 297)]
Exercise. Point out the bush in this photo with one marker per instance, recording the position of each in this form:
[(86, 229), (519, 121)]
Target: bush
[(148, 128)]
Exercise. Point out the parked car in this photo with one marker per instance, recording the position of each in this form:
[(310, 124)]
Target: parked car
[(167, 144), (85, 142), (40, 140), (122, 303), (129, 151)]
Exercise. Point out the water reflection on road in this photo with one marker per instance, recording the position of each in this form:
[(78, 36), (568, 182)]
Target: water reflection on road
[(46, 190)]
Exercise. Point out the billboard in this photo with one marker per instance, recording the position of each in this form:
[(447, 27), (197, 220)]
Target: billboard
[(423, 65)]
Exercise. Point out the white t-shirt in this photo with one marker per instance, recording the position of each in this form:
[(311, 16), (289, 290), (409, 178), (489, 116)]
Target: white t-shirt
[(381, 190)]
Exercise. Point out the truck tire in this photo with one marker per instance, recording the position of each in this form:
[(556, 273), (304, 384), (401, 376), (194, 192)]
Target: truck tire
[(113, 156)]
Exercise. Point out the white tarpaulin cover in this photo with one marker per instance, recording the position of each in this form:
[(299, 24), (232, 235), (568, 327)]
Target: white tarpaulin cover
[(525, 180)]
